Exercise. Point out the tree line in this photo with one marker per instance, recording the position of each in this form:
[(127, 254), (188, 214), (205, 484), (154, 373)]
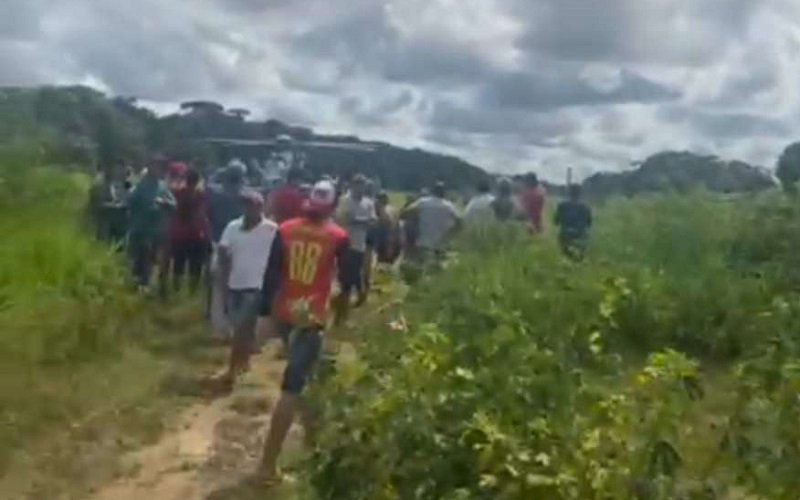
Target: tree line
[(83, 126)]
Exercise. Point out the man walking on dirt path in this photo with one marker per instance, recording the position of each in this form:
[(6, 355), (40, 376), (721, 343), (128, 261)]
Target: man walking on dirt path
[(357, 218), (244, 251), (224, 205), (437, 220), (573, 219), (479, 209), (532, 200), (188, 233), (296, 290), (149, 204), (386, 234)]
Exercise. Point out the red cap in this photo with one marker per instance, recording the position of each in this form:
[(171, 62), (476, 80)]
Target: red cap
[(177, 169)]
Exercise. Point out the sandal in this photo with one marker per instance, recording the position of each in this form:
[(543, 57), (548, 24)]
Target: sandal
[(277, 479)]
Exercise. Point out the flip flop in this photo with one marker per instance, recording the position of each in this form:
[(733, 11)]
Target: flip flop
[(277, 479)]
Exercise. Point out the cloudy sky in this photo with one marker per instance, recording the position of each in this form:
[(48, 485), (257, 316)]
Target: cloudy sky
[(508, 84)]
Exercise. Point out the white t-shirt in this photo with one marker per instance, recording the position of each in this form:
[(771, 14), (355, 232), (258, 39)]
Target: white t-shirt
[(249, 252), (479, 209), (361, 210), (436, 217)]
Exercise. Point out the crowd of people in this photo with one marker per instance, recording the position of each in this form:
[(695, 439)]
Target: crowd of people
[(271, 259)]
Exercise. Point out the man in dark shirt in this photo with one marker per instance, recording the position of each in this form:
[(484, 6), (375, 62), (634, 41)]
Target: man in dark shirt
[(224, 202), (573, 218)]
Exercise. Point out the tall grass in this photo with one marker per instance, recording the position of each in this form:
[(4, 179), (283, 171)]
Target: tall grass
[(66, 311)]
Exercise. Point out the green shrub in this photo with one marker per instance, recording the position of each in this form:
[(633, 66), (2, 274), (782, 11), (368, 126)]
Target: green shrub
[(524, 375)]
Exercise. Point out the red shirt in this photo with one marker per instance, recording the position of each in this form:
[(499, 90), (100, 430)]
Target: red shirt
[(303, 258), (532, 201), (189, 222), (286, 202)]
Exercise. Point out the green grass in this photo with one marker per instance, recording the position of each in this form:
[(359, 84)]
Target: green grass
[(84, 359)]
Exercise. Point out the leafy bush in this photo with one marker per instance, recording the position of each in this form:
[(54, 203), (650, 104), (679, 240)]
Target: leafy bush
[(639, 373)]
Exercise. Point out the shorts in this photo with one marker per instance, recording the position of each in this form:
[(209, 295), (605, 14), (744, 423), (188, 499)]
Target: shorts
[(303, 348), (243, 309), (351, 271), (373, 236)]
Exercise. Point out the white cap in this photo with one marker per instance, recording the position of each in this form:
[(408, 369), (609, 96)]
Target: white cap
[(322, 195)]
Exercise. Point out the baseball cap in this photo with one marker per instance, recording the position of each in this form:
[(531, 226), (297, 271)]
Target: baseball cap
[(177, 169), (322, 197)]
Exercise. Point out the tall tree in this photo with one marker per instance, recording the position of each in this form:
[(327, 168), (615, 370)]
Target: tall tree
[(203, 107), (788, 169)]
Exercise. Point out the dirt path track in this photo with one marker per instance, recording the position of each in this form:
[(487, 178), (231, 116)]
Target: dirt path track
[(213, 449)]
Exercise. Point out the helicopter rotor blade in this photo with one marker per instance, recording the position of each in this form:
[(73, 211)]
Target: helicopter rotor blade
[(351, 146), (238, 142)]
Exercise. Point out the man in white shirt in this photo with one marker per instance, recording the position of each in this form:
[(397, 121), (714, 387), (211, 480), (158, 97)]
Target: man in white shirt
[(479, 209), (357, 217), (437, 219), (243, 255)]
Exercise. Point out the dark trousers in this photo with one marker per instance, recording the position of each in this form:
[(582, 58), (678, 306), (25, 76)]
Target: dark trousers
[(351, 272), (573, 245), (188, 255), (141, 252)]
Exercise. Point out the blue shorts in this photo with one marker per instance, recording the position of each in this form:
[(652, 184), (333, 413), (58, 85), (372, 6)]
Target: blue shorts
[(243, 307), (303, 348)]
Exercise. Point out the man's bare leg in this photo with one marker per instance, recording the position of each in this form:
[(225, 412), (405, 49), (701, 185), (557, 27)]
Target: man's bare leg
[(366, 277), (341, 308), (282, 418), (308, 422)]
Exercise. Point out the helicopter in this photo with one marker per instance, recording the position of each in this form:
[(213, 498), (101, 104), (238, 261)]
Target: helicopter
[(271, 159)]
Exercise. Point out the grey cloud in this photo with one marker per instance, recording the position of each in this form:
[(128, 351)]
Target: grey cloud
[(352, 41), (375, 111), (725, 125), (675, 31), (133, 58), (528, 127), (752, 74), (309, 80), (23, 63), (366, 41), (746, 85), (20, 19), (250, 7), (420, 62), (557, 89), (738, 125)]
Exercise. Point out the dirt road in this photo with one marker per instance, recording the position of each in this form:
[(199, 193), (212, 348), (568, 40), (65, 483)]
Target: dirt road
[(213, 449)]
